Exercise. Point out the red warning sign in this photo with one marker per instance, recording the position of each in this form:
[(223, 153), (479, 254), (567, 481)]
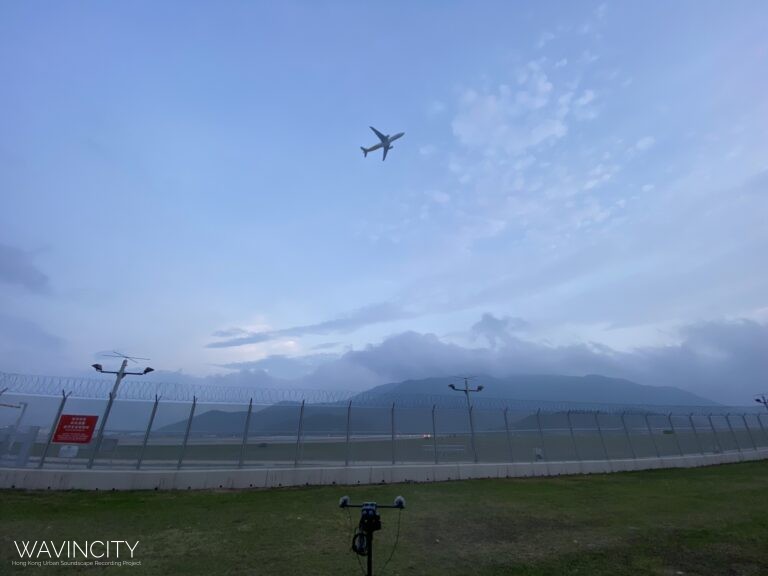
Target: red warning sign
[(75, 429)]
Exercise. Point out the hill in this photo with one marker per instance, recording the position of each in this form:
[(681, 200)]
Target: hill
[(373, 415), (592, 388)]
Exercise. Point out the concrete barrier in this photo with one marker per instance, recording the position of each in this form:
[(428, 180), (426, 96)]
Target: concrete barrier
[(51, 479)]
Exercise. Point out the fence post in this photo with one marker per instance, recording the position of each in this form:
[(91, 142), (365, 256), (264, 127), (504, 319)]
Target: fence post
[(541, 435), (299, 430), (733, 434), (392, 423), (349, 419), (146, 434), (695, 433), (751, 438), (22, 407), (53, 428), (600, 432), (674, 433), (650, 433), (245, 433), (186, 434), (573, 436), (760, 422), (629, 440), (434, 432), (509, 438), (472, 430), (714, 433)]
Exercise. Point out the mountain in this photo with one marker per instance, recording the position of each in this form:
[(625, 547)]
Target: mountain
[(371, 413), (549, 388)]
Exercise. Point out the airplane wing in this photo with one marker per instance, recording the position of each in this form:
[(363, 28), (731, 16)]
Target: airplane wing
[(386, 149), (379, 134)]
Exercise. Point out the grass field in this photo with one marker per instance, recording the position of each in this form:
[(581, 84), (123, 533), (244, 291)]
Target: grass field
[(706, 521)]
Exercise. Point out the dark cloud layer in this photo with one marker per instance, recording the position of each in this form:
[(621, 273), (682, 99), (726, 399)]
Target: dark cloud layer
[(24, 343), (16, 267), (497, 329), (725, 361)]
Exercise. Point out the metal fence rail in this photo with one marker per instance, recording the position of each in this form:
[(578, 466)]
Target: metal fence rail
[(171, 434)]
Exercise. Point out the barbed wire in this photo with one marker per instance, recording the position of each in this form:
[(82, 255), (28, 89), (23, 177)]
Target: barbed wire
[(145, 390), (134, 389)]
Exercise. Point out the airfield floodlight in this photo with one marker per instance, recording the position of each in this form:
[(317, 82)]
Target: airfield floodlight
[(466, 391), (119, 375), (761, 399)]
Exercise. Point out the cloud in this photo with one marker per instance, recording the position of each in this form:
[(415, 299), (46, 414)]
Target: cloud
[(436, 107), (24, 343), (439, 197), (230, 332), (16, 267), (326, 346), (721, 360), (586, 97), (513, 119), (545, 39), (497, 329), (284, 367), (370, 314), (600, 175), (645, 143)]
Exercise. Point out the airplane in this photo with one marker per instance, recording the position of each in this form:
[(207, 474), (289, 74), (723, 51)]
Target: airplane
[(386, 143)]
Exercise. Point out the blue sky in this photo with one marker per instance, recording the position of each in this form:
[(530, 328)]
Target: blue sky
[(183, 180)]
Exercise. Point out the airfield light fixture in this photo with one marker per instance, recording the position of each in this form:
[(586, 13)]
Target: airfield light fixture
[(761, 399), (119, 375), (467, 390)]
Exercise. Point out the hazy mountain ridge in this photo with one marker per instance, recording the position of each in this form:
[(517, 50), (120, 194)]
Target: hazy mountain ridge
[(592, 388), (282, 418)]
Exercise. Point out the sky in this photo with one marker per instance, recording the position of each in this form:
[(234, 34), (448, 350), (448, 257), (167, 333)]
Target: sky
[(582, 185)]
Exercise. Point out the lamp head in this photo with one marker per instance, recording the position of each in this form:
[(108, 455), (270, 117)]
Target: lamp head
[(147, 370), (480, 387), (97, 367), (452, 387)]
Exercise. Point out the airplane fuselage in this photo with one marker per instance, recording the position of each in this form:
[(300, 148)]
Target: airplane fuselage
[(385, 142)]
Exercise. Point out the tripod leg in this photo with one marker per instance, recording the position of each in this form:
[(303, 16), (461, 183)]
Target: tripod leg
[(370, 553)]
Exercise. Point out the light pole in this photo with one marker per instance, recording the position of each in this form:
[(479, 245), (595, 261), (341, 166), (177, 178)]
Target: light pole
[(120, 374), (467, 391)]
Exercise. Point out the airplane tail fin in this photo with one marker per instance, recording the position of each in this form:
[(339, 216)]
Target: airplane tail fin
[(365, 152)]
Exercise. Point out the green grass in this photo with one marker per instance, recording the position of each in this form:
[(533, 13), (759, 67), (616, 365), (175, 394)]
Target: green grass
[(667, 522)]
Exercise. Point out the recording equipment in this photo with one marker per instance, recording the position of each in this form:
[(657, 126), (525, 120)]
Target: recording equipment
[(370, 522)]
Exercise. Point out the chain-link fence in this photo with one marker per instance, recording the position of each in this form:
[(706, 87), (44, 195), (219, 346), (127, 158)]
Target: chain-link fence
[(325, 430)]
